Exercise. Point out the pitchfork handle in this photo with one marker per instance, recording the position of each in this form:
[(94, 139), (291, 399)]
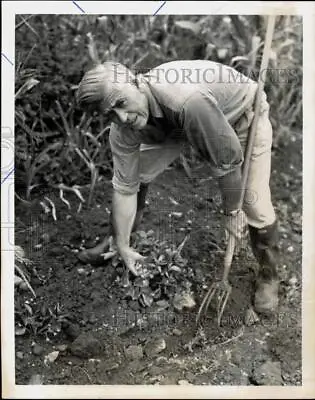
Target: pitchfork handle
[(261, 83), (228, 256), (264, 64)]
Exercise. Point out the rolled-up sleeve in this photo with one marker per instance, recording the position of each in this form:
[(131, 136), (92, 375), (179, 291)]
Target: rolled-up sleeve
[(125, 148), (210, 133)]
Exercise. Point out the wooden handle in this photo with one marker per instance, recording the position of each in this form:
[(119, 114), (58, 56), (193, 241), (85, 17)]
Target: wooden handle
[(250, 142), (229, 252), (260, 88)]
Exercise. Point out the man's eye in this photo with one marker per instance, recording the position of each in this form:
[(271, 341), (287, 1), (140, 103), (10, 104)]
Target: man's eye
[(107, 114), (121, 103)]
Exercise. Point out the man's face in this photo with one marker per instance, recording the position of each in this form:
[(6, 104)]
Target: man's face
[(130, 108)]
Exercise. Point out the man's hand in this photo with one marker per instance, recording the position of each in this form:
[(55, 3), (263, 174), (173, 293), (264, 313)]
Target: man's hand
[(132, 259), (236, 224)]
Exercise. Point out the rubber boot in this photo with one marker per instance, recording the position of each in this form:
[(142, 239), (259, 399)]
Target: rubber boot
[(94, 256), (264, 244)]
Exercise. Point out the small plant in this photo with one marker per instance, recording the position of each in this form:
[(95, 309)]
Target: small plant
[(38, 319), (165, 279), (32, 316), (21, 264)]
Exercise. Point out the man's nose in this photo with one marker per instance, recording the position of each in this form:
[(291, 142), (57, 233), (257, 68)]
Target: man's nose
[(122, 116)]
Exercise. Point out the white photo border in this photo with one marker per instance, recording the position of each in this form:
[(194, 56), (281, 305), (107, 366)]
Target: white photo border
[(9, 10)]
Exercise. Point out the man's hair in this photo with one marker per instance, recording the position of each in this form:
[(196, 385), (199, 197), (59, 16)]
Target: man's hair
[(99, 84)]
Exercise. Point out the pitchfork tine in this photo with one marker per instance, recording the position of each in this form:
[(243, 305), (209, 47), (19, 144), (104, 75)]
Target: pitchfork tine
[(210, 298), (205, 301), (223, 306), (225, 290)]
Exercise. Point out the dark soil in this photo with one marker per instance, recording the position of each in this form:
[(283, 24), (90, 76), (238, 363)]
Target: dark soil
[(80, 307)]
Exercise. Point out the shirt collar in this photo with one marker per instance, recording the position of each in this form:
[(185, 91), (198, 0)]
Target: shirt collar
[(154, 108)]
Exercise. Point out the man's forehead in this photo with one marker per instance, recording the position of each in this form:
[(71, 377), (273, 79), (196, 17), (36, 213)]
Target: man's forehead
[(109, 98)]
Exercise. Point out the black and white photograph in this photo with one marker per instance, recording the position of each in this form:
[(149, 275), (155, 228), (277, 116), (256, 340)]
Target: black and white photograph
[(158, 200)]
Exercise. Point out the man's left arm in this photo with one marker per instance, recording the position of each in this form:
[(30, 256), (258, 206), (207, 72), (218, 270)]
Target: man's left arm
[(211, 134), (230, 187)]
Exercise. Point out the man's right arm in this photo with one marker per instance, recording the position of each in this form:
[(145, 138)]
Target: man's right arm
[(126, 157), (124, 207)]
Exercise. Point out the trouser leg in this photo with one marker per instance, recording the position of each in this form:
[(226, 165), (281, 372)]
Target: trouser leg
[(257, 200)]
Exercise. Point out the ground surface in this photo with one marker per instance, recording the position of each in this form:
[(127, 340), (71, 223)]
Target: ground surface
[(80, 328)]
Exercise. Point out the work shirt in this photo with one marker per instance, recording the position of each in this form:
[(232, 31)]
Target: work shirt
[(195, 102)]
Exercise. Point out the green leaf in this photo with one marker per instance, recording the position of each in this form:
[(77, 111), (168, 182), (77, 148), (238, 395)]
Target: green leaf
[(20, 330), (188, 25), (27, 86), (147, 299), (175, 268)]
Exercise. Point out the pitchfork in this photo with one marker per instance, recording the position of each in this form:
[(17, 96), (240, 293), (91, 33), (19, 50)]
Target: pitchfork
[(223, 288)]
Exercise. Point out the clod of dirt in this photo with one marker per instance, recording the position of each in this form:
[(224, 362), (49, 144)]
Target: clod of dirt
[(251, 317), (154, 347), (156, 370), (134, 352), (110, 365), (46, 238), (17, 280), (82, 271), (56, 251), (177, 332), (23, 286), (183, 382), (168, 380), (85, 346), (19, 355), (232, 373), (134, 305), (176, 214), (37, 350), (19, 330), (189, 376), (96, 296), (161, 360), (268, 373), (62, 347), (154, 379), (94, 360), (89, 244), (183, 300), (70, 329), (51, 357), (36, 380), (162, 305), (92, 318), (236, 357), (135, 366)]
